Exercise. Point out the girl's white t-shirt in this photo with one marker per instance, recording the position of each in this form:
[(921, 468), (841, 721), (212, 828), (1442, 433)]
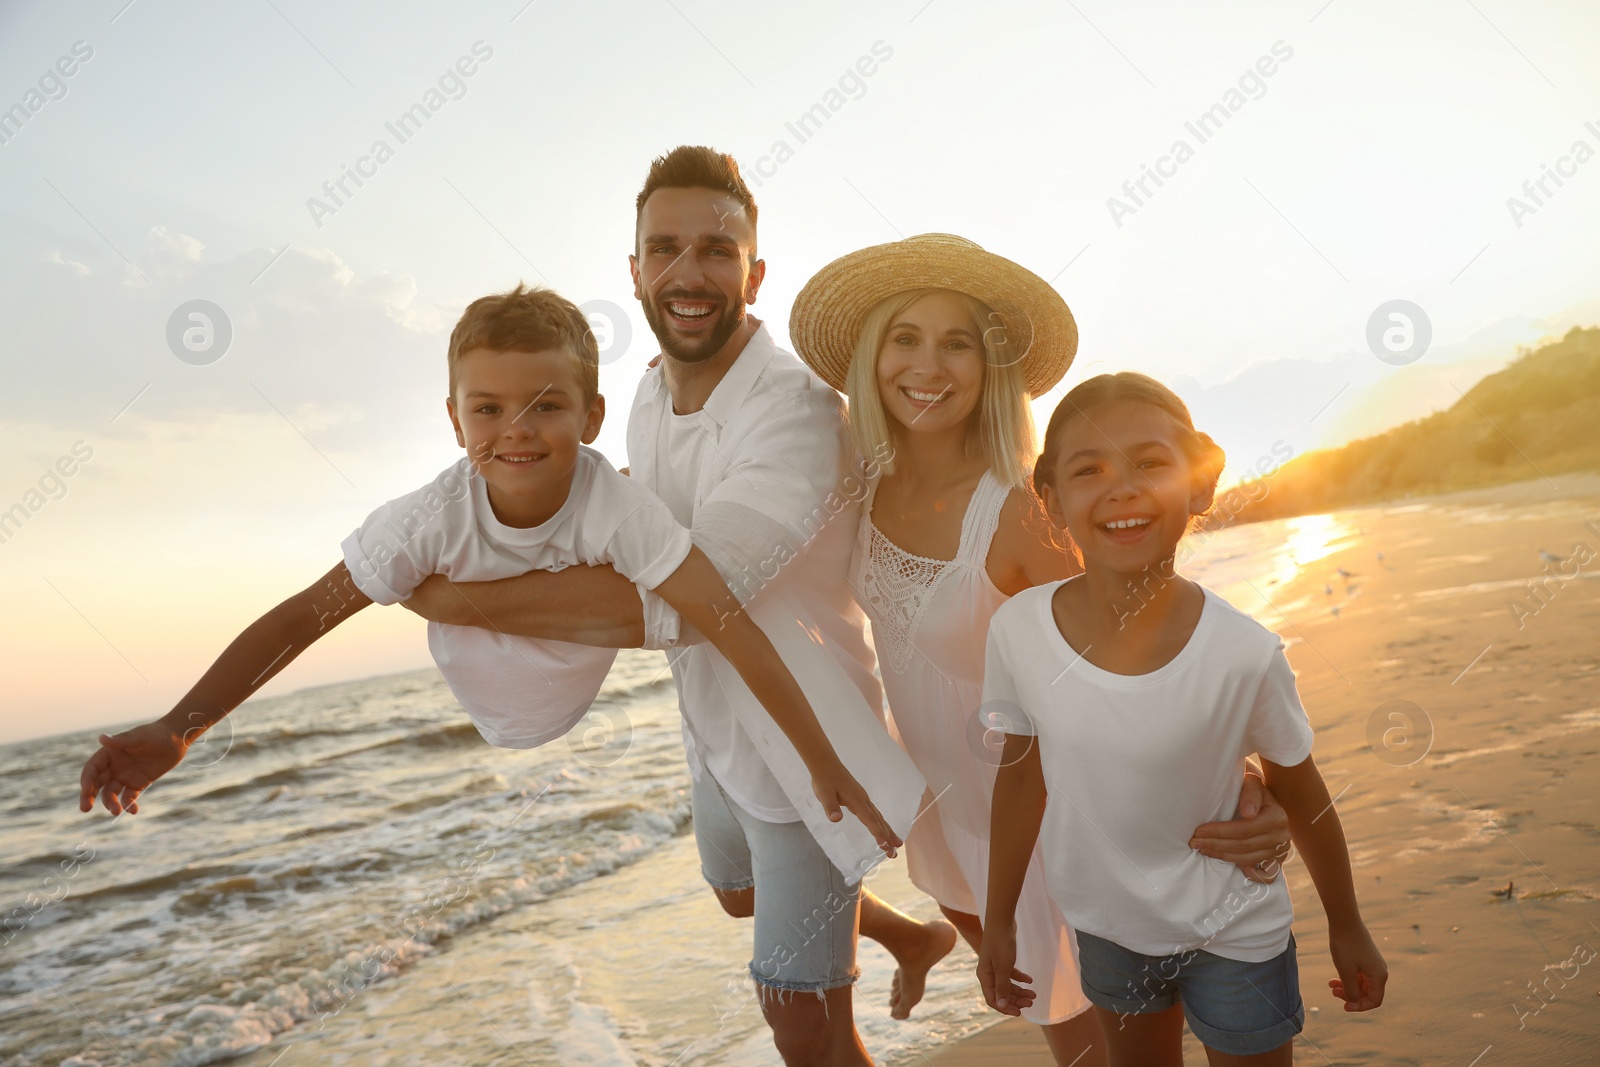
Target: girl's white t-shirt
[(1133, 763), (520, 692)]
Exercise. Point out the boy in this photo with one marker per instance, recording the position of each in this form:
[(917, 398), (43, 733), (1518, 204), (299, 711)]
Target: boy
[(524, 402)]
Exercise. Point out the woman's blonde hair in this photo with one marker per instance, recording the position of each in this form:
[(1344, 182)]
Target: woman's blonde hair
[(1002, 434)]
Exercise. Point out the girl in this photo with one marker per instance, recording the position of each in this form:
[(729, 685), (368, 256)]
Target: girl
[(938, 345), (1130, 664)]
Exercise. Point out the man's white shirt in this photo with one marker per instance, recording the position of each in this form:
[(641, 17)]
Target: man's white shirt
[(768, 482)]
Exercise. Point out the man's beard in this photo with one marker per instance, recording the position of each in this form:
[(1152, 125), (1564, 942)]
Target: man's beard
[(695, 351)]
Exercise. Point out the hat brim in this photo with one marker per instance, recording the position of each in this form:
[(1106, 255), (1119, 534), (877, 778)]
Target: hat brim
[(825, 322)]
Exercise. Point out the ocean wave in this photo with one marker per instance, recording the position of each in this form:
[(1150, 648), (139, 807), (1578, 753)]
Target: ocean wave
[(247, 1017), (156, 884), (281, 776), (448, 736)]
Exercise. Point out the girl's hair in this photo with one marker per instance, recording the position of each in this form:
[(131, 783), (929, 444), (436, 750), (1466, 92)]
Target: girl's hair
[(1002, 434), (1205, 455)]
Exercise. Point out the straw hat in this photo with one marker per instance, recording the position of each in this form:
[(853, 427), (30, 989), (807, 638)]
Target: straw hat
[(827, 316)]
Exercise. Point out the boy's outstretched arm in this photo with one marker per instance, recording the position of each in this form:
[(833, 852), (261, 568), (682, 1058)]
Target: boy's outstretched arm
[(1019, 802), (1319, 836), (697, 592), (127, 763)]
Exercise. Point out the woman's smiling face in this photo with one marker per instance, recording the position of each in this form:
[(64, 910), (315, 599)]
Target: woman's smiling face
[(930, 365)]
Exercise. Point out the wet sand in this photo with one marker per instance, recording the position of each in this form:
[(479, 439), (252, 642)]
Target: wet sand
[(1455, 688)]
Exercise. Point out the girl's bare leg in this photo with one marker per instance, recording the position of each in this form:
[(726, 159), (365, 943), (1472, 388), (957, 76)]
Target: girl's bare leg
[(1152, 1040), (1282, 1056)]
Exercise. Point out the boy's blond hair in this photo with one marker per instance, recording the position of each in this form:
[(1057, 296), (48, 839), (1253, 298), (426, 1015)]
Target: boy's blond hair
[(528, 320), (1002, 434)]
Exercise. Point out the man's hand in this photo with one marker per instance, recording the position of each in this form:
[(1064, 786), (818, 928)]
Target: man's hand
[(438, 600), (129, 763), (1257, 842), (836, 788), (998, 974), (587, 605)]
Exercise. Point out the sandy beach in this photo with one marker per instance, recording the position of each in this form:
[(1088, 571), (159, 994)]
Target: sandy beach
[(1487, 782)]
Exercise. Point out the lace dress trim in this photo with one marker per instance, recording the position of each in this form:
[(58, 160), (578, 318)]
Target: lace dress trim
[(899, 584)]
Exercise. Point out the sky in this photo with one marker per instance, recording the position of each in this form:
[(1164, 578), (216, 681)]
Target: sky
[(1316, 162)]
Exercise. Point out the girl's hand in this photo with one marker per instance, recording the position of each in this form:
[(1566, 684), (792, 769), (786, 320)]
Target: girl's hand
[(129, 763), (837, 788), (998, 974), (1362, 972)]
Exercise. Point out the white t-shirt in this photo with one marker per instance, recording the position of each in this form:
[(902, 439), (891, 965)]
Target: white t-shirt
[(519, 691), (1133, 763), (766, 477)]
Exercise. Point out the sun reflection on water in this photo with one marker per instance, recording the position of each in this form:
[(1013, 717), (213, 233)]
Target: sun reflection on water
[(1254, 563)]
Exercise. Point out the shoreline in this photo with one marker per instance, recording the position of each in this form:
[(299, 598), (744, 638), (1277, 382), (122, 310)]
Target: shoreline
[(1582, 482)]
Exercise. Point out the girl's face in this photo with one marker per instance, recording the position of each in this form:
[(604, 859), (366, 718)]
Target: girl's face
[(930, 366), (1122, 486)]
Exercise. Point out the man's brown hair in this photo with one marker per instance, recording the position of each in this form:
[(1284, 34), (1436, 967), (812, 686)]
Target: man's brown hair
[(528, 320), (695, 167)]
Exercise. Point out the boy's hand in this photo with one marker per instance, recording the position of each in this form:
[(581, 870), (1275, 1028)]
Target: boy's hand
[(998, 974), (836, 787), (1362, 972), (127, 764)]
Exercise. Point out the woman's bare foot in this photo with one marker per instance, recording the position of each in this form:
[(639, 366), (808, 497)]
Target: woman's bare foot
[(911, 977)]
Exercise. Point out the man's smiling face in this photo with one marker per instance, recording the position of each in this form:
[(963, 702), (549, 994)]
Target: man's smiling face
[(695, 269)]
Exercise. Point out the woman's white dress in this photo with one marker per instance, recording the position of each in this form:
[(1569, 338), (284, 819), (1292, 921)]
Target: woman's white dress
[(930, 620)]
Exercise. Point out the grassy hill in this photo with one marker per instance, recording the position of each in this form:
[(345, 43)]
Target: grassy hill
[(1539, 415)]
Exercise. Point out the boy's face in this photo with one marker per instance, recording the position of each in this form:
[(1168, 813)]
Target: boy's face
[(1122, 463), (521, 417)]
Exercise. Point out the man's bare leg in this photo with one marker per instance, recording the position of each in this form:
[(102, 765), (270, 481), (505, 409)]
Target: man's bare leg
[(810, 1031), (916, 946)]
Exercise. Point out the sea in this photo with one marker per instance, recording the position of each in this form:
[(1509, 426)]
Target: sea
[(350, 875)]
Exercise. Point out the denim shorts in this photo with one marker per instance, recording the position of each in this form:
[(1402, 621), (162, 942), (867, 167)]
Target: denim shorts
[(1235, 1007), (805, 914)]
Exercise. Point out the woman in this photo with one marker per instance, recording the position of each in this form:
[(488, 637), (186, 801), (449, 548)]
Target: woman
[(939, 345)]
